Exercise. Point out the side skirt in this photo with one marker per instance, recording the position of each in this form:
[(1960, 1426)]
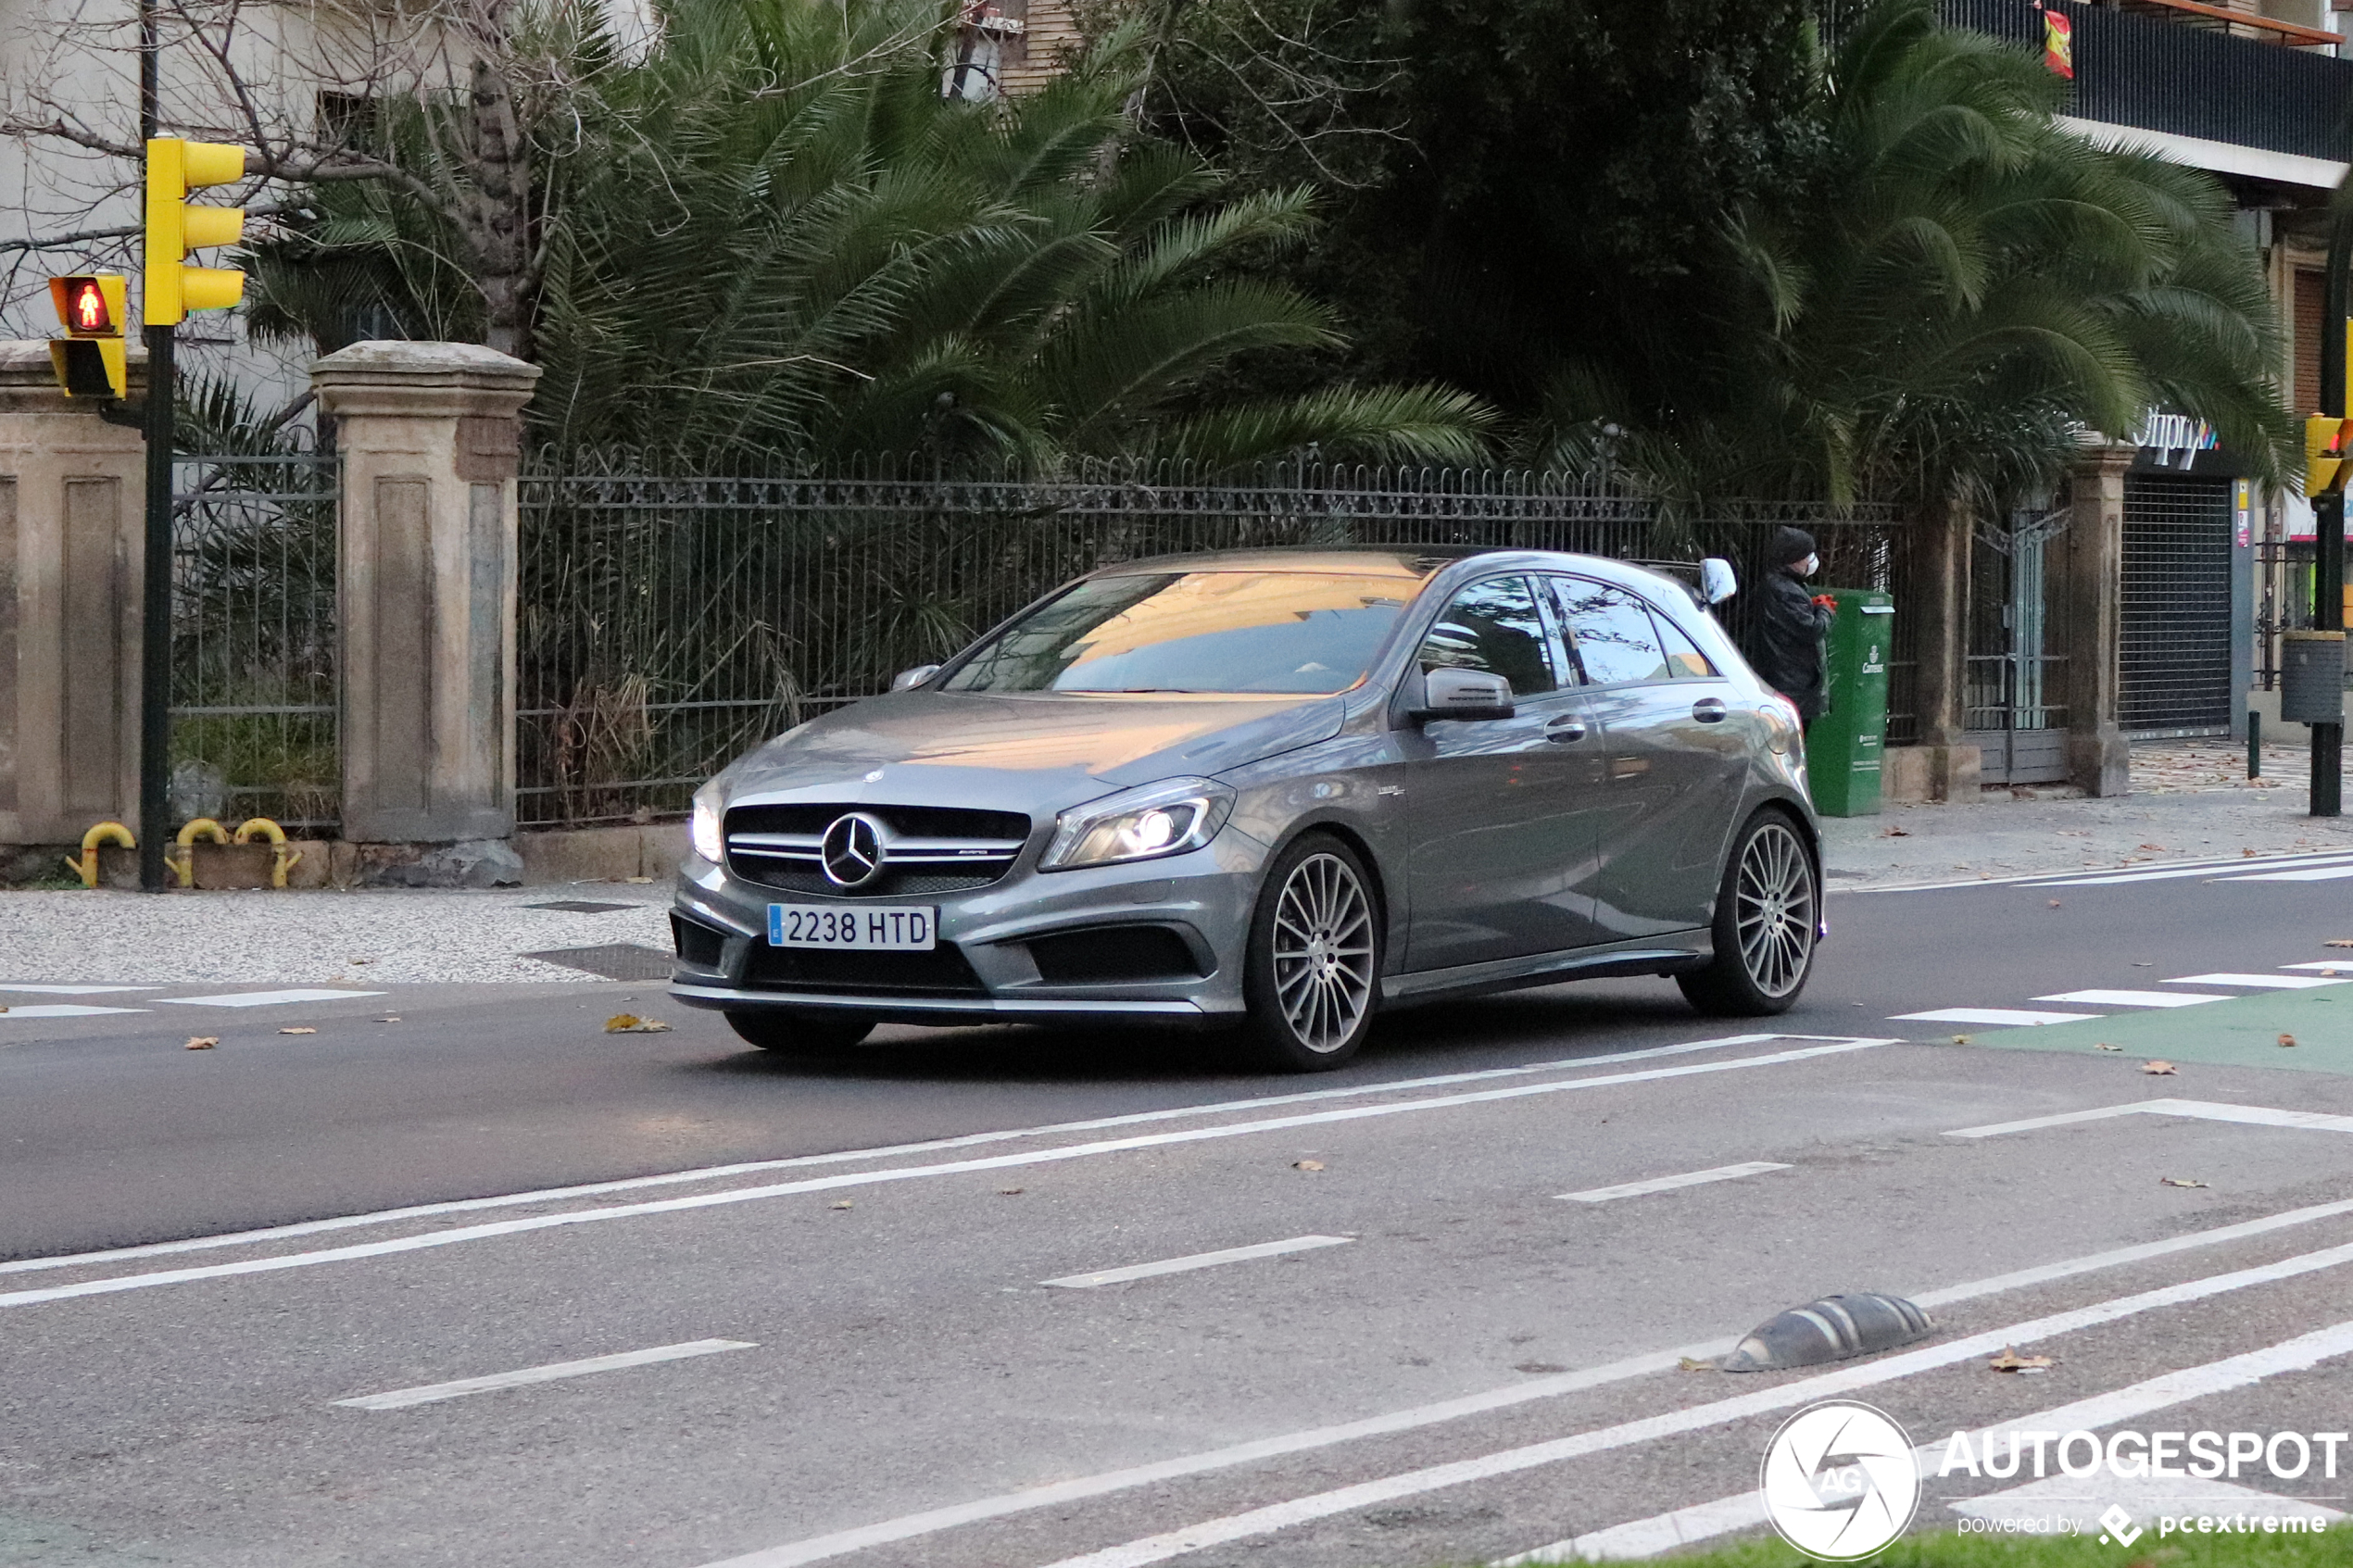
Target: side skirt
[(1650, 955)]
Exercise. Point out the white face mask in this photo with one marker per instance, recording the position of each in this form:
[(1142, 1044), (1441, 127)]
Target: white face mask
[(1809, 566)]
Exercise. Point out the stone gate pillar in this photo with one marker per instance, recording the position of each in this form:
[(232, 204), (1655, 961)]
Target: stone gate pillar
[(72, 493), (430, 436), (2090, 561), (1940, 766)]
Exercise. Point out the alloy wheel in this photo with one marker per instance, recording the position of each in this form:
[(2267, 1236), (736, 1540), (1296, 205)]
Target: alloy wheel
[(1775, 910), (1323, 952)]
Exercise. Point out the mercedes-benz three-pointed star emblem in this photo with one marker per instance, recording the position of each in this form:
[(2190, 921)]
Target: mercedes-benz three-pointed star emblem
[(852, 850)]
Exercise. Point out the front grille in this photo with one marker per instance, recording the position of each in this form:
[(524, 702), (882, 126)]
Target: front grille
[(925, 849), (940, 972), (697, 944)]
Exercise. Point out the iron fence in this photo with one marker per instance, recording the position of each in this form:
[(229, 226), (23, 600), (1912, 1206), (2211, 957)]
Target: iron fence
[(253, 628), (667, 622)]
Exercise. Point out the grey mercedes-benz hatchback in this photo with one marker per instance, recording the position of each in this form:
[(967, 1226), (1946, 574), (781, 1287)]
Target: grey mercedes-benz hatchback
[(1276, 791)]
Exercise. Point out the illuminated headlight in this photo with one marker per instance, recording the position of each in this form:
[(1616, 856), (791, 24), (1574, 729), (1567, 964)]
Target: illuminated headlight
[(704, 832), (1139, 824)]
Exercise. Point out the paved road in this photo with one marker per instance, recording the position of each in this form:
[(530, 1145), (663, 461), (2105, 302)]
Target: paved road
[(874, 1353)]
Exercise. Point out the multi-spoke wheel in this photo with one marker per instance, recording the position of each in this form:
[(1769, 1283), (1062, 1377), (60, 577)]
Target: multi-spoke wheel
[(1313, 964), (1767, 913)]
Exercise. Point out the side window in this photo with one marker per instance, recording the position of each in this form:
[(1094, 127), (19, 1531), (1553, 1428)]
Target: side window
[(1492, 626), (1615, 639), (1684, 661)]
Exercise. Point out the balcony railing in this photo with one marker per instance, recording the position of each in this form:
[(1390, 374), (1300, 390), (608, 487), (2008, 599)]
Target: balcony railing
[(2187, 80)]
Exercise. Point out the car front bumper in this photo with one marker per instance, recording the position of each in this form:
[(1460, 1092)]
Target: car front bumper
[(1205, 897)]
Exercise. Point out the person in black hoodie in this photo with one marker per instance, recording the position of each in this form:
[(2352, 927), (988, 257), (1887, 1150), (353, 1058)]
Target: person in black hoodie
[(1784, 639)]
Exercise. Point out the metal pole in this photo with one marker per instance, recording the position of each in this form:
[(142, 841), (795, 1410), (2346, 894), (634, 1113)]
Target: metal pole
[(155, 606), (2328, 519)]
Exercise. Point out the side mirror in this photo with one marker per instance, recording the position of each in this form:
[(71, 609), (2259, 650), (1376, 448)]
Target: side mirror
[(908, 680), (1464, 694), (1717, 581)]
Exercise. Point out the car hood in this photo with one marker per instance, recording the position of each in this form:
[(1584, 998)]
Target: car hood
[(1026, 751)]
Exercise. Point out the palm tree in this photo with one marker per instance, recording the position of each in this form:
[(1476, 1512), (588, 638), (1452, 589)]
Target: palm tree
[(1960, 291), (775, 238)]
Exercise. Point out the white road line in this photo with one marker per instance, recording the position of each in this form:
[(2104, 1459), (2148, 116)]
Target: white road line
[(401, 1399), (2202, 1110), (902, 1173), (1992, 1015), (1685, 1526), (264, 998), (1413, 1483), (78, 990), (2325, 966), (888, 1151), (2155, 871), (2255, 982), (2134, 998), (1197, 1261), (2208, 869), (59, 1009), (2319, 874), (912, 1527), (1669, 1183)]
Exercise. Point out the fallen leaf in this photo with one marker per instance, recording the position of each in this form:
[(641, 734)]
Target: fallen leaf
[(2157, 846), (2246, 854), (1896, 832), (2103, 1046), (1960, 1039), (363, 961), (630, 1023), (1306, 1164), (1009, 1192), (639, 879), (393, 1018), (2287, 1039), (2054, 903), (2161, 1067), (2011, 1360), (843, 1204), (1687, 1364), (203, 1042), (298, 1029), (2178, 1182), (2338, 942)]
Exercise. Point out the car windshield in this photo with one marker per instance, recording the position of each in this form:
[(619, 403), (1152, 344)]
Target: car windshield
[(1195, 632)]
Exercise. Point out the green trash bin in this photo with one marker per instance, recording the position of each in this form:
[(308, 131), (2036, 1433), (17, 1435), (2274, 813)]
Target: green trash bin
[(1845, 747)]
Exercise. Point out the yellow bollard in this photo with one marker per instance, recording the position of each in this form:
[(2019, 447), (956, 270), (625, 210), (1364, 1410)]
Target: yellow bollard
[(284, 859), (86, 868), (185, 861)]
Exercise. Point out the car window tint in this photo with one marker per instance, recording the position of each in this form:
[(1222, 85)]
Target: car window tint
[(1616, 640), (1684, 661), (1493, 626)]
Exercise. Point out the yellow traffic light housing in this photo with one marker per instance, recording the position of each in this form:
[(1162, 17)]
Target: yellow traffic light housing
[(2325, 452), (175, 168), (89, 360)]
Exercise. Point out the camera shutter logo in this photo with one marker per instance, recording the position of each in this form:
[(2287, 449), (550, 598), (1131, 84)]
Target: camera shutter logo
[(851, 850), (1839, 1481)]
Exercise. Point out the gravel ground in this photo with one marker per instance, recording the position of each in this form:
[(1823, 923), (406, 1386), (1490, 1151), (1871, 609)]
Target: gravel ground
[(315, 938), (2191, 801)]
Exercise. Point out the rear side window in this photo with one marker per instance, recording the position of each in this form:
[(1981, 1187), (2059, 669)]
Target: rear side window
[(1615, 639), (1492, 625), (1684, 661)]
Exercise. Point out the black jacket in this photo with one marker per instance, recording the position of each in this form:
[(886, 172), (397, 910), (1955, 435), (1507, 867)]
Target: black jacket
[(1784, 641)]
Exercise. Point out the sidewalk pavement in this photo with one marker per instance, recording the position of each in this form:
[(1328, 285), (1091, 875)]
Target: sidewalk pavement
[(2192, 802)]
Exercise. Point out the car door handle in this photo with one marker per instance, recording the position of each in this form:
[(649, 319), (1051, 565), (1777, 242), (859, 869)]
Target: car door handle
[(1709, 710), (1560, 732)]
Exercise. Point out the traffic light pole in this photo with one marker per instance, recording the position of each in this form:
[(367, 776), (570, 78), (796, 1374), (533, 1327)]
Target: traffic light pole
[(155, 608), (2328, 525)]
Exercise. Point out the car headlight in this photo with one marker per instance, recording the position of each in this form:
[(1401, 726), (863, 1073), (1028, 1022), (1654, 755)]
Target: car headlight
[(1139, 824), (704, 832)]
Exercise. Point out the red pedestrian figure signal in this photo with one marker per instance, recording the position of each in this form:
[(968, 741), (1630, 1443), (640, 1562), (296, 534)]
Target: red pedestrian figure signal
[(89, 307), (89, 359)]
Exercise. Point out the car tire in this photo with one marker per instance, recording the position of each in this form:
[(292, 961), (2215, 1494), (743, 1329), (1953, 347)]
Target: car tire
[(1767, 916), (1311, 973), (800, 1034)]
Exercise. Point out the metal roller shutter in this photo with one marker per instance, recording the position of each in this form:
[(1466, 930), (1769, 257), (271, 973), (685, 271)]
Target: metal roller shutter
[(2175, 658)]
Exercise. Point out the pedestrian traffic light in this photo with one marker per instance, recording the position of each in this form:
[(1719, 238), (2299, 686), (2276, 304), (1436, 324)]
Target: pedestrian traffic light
[(2325, 451), (89, 359), (175, 168)]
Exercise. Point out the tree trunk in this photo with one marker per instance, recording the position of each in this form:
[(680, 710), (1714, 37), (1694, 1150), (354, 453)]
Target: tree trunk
[(496, 212)]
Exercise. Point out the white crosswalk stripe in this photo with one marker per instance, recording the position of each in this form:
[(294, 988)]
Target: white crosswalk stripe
[(2097, 998)]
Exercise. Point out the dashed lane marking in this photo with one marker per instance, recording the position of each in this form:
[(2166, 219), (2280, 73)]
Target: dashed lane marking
[(263, 998), (1992, 1015), (2316, 873), (59, 1009), (2199, 1110), (2255, 982), (2092, 876), (907, 1172), (401, 1399), (1347, 1500), (1197, 1261), (1670, 1184), (2325, 966), (1054, 1494), (851, 1156), (2133, 998), (77, 990)]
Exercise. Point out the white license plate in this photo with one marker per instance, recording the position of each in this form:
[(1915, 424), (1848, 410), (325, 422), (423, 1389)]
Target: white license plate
[(900, 930)]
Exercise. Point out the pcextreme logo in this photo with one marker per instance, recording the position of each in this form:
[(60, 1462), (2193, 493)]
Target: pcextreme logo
[(1839, 1481)]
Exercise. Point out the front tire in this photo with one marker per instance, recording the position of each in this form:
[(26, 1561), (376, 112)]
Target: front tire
[(800, 1034), (1767, 914), (1313, 971)]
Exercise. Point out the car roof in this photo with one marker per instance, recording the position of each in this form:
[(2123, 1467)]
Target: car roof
[(1418, 563)]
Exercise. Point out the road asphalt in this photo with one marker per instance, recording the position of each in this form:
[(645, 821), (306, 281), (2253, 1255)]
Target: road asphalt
[(850, 1309)]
